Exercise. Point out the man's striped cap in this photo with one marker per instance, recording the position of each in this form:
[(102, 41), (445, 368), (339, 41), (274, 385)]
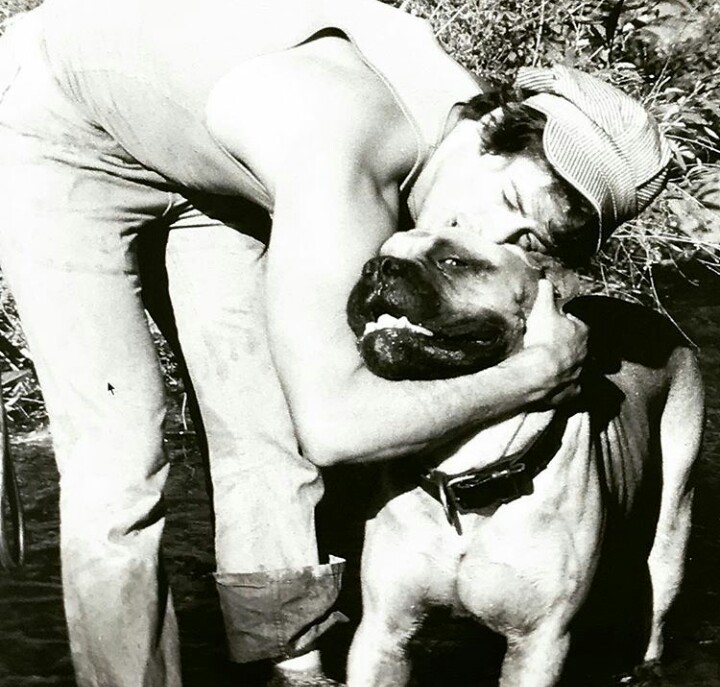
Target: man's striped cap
[(600, 140)]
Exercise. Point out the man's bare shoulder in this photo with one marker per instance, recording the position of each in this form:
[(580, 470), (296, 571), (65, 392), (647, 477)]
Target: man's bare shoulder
[(315, 107)]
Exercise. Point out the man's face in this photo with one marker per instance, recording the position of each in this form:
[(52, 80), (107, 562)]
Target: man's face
[(505, 199)]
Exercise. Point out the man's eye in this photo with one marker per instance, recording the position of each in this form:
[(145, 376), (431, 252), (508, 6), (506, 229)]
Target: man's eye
[(524, 241), (530, 242)]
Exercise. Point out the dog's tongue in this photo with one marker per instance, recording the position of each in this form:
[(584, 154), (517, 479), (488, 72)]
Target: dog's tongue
[(386, 321)]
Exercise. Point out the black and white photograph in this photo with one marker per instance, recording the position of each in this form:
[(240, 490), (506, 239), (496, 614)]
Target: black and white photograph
[(359, 343)]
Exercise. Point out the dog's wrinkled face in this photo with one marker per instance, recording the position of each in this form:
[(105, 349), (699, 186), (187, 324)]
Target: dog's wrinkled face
[(441, 304)]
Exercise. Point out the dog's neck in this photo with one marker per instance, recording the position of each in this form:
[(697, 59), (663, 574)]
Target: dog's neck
[(491, 444)]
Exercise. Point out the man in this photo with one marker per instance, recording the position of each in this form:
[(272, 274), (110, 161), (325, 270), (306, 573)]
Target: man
[(120, 119)]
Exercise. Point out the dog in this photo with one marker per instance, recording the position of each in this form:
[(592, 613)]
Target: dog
[(507, 524)]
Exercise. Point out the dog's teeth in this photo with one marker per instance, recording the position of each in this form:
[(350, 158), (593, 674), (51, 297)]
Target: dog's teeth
[(386, 321), (406, 324), (370, 327), (421, 330)]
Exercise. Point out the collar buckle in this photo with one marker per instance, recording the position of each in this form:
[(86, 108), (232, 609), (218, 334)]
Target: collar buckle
[(479, 488)]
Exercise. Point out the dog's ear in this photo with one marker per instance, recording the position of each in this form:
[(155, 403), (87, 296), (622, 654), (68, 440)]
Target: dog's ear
[(565, 282)]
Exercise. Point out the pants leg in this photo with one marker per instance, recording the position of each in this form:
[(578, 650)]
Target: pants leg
[(70, 217), (66, 252), (275, 596)]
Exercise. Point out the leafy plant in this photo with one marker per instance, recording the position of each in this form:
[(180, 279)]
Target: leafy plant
[(666, 54)]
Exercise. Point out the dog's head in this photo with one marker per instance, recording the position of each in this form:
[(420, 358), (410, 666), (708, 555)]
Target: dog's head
[(441, 304)]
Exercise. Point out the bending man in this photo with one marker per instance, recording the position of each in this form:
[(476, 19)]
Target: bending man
[(341, 118)]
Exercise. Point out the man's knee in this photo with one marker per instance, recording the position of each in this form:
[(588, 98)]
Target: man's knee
[(112, 475)]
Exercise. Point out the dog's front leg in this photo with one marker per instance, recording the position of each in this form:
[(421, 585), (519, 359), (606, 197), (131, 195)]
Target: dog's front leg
[(378, 653), (395, 578), (535, 659), (391, 614)]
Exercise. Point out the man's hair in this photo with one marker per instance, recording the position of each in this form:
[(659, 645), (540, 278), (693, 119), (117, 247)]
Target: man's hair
[(519, 130)]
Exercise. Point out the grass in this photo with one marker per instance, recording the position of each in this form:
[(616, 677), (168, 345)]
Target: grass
[(8, 8), (663, 52)]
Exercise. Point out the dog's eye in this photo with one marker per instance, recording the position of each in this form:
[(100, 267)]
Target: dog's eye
[(451, 262)]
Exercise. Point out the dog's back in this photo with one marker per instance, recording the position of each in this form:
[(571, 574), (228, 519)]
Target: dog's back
[(642, 387)]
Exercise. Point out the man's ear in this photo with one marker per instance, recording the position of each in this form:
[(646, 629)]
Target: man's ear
[(565, 282)]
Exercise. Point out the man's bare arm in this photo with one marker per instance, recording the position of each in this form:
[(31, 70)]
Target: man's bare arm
[(332, 162), (343, 413)]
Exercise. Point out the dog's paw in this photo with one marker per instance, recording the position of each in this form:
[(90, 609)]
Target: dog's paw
[(647, 674), (302, 680)]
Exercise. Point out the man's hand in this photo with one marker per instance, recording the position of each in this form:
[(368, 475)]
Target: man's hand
[(560, 342)]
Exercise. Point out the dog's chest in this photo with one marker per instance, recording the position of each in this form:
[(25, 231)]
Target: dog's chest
[(522, 558)]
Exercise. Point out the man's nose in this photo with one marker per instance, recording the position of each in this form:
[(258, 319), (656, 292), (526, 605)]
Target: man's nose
[(487, 226), (408, 244), (499, 229)]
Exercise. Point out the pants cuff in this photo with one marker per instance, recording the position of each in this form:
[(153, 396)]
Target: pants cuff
[(279, 613)]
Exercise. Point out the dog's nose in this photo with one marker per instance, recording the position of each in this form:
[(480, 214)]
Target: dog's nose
[(389, 266), (383, 266)]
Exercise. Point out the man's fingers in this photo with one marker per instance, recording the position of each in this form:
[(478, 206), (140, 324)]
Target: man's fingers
[(562, 339), (539, 318), (561, 397), (544, 305), (545, 295), (545, 289)]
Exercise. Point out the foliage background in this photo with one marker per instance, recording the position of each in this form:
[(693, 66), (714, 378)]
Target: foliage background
[(664, 52)]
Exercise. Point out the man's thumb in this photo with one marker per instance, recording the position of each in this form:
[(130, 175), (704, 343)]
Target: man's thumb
[(545, 299)]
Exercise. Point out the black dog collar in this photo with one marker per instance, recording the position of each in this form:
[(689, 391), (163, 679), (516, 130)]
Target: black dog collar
[(506, 480)]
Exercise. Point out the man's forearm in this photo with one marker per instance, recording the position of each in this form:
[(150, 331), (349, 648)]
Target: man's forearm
[(368, 418)]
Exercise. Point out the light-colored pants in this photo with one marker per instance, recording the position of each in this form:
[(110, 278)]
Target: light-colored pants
[(72, 208)]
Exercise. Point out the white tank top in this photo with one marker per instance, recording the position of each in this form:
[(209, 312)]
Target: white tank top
[(142, 70)]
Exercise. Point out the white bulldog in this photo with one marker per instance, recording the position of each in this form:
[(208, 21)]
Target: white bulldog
[(507, 523)]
